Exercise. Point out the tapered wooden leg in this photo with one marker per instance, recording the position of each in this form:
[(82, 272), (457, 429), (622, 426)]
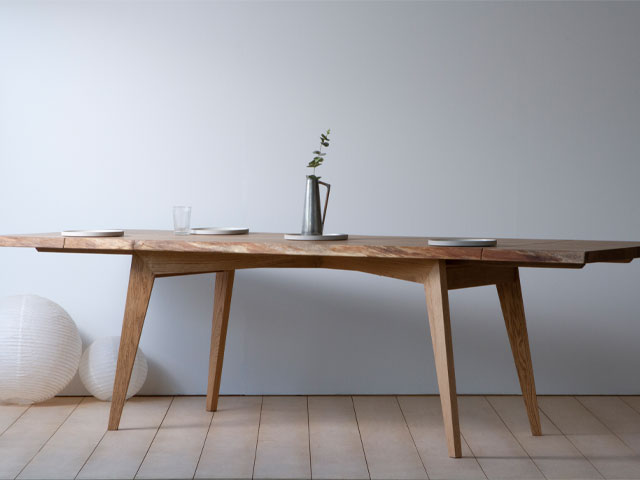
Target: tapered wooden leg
[(221, 309), (513, 311), (138, 294), (439, 322)]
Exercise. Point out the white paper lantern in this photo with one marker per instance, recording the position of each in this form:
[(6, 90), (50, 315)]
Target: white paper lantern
[(40, 349), (98, 368)]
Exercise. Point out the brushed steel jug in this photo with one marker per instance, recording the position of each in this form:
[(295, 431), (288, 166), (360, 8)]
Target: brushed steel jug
[(312, 221)]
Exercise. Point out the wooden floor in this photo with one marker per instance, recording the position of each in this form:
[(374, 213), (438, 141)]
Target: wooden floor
[(358, 437)]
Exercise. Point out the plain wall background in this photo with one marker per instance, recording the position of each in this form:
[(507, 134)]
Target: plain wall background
[(495, 119)]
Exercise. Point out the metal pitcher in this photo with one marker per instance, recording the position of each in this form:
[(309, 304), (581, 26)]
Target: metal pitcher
[(312, 222)]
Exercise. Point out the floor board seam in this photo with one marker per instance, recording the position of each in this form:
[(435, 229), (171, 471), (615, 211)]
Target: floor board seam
[(473, 454), (623, 398), (413, 440), (90, 455), (515, 437), (15, 420), (355, 414), (471, 450), (588, 460), (574, 445), (583, 406), (309, 439), (203, 445), (255, 453), (615, 434), (154, 437), (50, 437)]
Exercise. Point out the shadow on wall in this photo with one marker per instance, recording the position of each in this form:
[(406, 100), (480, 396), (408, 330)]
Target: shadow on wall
[(302, 332), (373, 336), (176, 335)]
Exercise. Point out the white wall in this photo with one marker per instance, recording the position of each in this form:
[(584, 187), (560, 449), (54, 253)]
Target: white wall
[(500, 119)]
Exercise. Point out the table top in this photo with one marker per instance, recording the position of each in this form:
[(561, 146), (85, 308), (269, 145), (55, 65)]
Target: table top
[(522, 251)]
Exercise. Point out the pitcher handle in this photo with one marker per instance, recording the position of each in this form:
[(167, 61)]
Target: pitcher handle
[(326, 200)]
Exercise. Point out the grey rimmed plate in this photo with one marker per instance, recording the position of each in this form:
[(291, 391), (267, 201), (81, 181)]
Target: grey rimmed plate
[(92, 233), (463, 242), (219, 231), (325, 237)]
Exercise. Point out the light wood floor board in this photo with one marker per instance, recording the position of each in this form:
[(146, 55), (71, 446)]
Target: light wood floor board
[(9, 414), (618, 416), (318, 437), (388, 445), (283, 440), (554, 454), (69, 448), (424, 418), (22, 440), (570, 416), (511, 410), (606, 451), (609, 455), (336, 448), (176, 449), (633, 401), (120, 453), (632, 439), (497, 450), (230, 448)]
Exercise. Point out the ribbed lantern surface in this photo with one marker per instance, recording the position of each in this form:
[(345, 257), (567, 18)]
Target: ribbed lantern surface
[(40, 349), (98, 368)]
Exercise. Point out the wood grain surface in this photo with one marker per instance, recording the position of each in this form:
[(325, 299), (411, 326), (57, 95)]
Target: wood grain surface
[(221, 308), (520, 251), (440, 325), (512, 304), (138, 295), (393, 437)]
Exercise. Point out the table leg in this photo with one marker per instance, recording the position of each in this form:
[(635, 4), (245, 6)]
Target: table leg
[(440, 325), (221, 309), (513, 311), (138, 294)]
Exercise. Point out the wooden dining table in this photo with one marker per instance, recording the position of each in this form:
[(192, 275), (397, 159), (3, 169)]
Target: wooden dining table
[(157, 253)]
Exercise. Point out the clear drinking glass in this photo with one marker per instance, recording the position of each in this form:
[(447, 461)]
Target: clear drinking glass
[(182, 220)]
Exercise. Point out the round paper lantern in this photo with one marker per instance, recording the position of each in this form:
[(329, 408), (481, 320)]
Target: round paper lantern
[(40, 349), (98, 368)]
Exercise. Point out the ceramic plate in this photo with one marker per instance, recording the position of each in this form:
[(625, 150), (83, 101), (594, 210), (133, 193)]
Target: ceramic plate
[(92, 233), (462, 242), (326, 237), (219, 231)]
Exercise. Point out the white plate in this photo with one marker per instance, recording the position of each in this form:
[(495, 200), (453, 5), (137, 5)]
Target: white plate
[(325, 237), (462, 242), (219, 231), (92, 233)]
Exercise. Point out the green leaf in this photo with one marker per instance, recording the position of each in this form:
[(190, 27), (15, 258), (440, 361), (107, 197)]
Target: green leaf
[(319, 155)]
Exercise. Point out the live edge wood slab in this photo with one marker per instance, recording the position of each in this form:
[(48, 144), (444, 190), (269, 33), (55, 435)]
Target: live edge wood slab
[(158, 253)]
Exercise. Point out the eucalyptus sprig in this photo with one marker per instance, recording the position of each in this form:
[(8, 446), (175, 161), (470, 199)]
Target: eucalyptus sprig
[(319, 154)]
